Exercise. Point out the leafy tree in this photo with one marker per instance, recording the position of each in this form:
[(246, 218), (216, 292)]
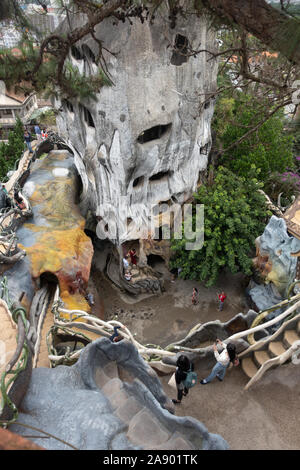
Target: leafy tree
[(11, 151), (274, 28), (269, 148), (234, 215)]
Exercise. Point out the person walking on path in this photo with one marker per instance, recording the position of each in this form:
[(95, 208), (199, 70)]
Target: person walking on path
[(195, 299), (183, 366), (38, 133), (27, 138), (223, 360), (221, 298)]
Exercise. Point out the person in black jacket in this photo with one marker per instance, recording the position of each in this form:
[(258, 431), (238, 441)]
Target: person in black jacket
[(183, 366)]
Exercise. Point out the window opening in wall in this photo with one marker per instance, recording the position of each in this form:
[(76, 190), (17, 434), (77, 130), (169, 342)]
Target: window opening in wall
[(153, 133), (88, 53), (159, 176), (179, 55), (68, 105), (138, 181), (204, 149), (87, 116), (76, 53), (48, 278)]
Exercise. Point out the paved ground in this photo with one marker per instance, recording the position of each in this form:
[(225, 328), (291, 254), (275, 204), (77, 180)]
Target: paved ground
[(170, 316), (266, 416)]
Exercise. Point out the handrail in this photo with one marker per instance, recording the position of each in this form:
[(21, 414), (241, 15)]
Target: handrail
[(39, 331), (264, 325), (93, 323), (260, 317), (274, 361), (21, 355), (263, 341)]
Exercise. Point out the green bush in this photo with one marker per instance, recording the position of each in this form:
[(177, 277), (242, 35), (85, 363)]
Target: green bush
[(11, 151), (234, 215)]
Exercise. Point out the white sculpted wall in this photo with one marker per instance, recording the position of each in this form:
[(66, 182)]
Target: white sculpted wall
[(146, 138)]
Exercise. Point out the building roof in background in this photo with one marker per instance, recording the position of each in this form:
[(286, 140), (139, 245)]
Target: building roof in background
[(10, 98)]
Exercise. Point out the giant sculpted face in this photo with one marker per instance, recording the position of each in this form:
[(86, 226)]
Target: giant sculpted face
[(146, 138)]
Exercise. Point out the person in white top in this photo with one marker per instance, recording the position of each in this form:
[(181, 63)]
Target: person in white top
[(125, 263), (223, 360)]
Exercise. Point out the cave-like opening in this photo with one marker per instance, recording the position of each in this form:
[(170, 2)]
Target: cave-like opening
[(153, 133), (179, 55)]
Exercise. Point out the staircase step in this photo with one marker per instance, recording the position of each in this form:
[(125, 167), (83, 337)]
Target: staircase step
[(260, 357), (249, 367), (276, 348), (128, 410), (176, 442), (289, 337), (145, 430)]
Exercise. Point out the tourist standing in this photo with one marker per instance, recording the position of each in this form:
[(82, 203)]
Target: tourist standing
[(125, 263), (44, 134), (221, 298), (223, 360), (183, 366), (116, 337), (90, 299), (27, 138), (195, 299), (132, 254), (38, 133)]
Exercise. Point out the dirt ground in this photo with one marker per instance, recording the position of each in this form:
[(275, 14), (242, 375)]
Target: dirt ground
[(264, 417), (169, 317)]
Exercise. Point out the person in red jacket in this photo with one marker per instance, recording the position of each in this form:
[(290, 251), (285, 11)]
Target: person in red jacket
[(132, 254), (221, 298), (44, 134)]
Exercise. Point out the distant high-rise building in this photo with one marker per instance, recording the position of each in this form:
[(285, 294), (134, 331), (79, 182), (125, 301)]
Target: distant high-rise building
[(9, 36)]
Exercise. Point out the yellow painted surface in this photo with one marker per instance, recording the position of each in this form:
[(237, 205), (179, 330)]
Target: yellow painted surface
[(61, 247)]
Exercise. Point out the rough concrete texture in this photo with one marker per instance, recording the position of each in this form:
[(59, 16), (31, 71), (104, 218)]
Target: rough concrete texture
[(110, 399), (264, 297), (274, 257), (146, 138)]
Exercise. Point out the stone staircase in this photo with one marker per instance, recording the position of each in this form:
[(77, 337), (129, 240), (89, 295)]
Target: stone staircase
[(144, 429), (252, 364)]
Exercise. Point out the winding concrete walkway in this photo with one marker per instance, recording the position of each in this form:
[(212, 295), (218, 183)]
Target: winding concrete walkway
[(266, 417), (8, 333)]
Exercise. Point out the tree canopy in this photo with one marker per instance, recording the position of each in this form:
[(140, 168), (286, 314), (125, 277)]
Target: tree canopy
[(235, 214), (273, 27)]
